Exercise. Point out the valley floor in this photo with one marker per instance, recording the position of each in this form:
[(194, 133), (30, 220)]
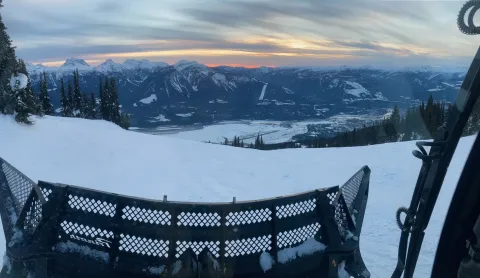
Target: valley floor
[(100, 155)]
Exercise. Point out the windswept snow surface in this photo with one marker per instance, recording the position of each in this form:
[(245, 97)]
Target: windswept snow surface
[(144, 165)]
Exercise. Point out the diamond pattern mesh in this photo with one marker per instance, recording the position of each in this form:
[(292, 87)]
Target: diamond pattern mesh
[(144, 246), (146, 215), (350, 189), (289, 238), (248, 217), (296, 208), (91, 205), (198, 219), (46, 192), (331, 196), (74, 228), (20, 186), (341, 219), (33, 216), (197, 247), (246, 246)]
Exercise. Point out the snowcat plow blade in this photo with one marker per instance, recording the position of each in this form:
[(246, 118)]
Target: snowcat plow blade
[(56, 230)]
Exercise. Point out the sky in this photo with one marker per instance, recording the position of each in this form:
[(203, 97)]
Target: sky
[(241, 32)]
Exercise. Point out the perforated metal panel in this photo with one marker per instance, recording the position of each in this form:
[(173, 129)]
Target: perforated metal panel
[(246, 246), (80, 229), (198, 219), (296, 208), (144, 246), (341, 219), (331, 196), (248, 217), (289, 238), (46, 192), (33, 216), (146, 215), (197, 247), (350, 189), (91, 205), (20, 186)]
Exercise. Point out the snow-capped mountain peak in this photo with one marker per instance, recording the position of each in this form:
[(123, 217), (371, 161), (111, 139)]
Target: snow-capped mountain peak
[(109, 66), (142, 64), (185, 64), (75, 63)]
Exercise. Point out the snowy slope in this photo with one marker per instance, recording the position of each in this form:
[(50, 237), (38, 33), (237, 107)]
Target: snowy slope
[(101, 155)]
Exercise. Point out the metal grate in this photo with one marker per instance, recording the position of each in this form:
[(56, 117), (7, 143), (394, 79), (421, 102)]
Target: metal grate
[(246, 246), (198, 219), (146, 215), (350, 189), (74, 228), (289, 238), (144, 246), (341, 219), (248, 217), (91, 205), (296, 208), (20, 186), (331, 196), (197, 247), (46, 192), (33, 216)]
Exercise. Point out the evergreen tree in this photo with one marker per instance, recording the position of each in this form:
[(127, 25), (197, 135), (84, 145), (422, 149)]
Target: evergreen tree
[(70, 98), (24, 98), (77, 95), (93, 107), (7, 64), (64, 100), (114, 108), (125, 120), (44, 98)]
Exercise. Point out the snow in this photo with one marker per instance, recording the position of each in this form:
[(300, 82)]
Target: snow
[(266, 261), (159, 118), (148, 100), (185, 115), (435, 89), (109, 66), (72, 64), (135, 164), (288, 91), (156, 270), (220, 80), (357, 90), (131, 64), (134, 104), (262, 94), (71, 247), (308, 247), (20, 79)]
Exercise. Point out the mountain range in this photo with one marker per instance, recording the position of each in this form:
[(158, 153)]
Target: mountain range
[(187, 92)]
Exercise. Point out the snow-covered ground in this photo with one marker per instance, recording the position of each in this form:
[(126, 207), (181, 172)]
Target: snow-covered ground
[(100, 155)]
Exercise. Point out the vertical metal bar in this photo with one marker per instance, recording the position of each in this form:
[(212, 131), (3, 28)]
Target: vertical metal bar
[(172, 240), (117, 218), (274, 232), (222, 241)]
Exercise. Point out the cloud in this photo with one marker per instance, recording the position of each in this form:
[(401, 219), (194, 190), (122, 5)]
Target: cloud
[(347, 30)]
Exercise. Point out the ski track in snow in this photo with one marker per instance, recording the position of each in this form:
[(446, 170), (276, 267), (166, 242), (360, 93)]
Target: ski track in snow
[(136, 164), (262, 95)]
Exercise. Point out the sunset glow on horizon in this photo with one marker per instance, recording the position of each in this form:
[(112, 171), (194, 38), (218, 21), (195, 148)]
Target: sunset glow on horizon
[(240, 33)]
